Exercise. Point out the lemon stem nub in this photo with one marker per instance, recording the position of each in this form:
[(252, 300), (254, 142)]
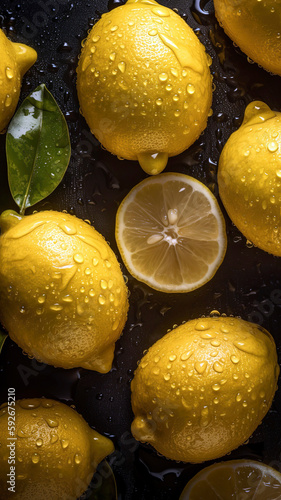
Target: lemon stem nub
[(26, 57), (151, 163), (8, 219)]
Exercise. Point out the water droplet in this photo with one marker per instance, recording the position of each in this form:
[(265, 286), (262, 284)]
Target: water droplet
[(56, 307), (64, 443), (215, 343), (52, 423), (8, 101), (167, 376), (272, 146), (238, 397), (68, 228), (200, 366), (161, 12), (39, 442), (95, 38), (9, 73), (103, 284), (102, 299), (169, 87), (173, 357), (112, 56), (153, 32), (218, 367), (234, 359), (159, 101), (54, 438), (35, 458), (163, 77), (78, 258), (115, 325), (186, 356), (77, 458), (41, 299), (190, 89), (202, 325), (95, 262), (91, 292), (114, 28), (216, 387), (122, 66)]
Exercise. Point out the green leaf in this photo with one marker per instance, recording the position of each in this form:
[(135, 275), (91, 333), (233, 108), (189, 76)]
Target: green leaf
[(103, 485), (3, 337), (38, 148)]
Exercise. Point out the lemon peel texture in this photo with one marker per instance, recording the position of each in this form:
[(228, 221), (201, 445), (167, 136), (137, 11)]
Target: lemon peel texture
[(16, 59), (144, 83), (63, 298), (202, 389), (56, 452), (255, 27), (249, 177)]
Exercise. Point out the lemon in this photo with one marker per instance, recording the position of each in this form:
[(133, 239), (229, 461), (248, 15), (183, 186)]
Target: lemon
[(63, 298), (254, 25), (235, 479), (202, 389), (249, 177), (16, 59), (55, 452), (171, 233), (144, 83)]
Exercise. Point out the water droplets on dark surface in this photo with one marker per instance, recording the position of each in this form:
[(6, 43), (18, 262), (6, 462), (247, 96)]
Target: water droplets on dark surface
[(247, 283)]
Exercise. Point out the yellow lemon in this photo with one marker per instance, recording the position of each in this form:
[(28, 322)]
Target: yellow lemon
[(16, 59), (144, 83), (171, 233), (63, 298), (52, 449), (202, 389), (234, 479), (254, 25), (249, 177)]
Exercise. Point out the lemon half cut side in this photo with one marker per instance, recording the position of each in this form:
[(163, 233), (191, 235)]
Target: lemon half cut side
[(235, 479), (171, 233)]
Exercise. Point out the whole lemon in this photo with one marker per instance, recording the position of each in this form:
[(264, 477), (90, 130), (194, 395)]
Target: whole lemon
[(202, 389), (144, 83), (63, 298), (16, 59), (254, 25), (249, 177), (48, 450)]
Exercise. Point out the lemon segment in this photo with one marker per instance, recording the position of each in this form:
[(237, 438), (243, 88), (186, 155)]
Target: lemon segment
[(201, 390), (144, 83), (16, 59), (234, 479), (254, 26), (249, 177), (56, 451), (63, 298), (171, 233)]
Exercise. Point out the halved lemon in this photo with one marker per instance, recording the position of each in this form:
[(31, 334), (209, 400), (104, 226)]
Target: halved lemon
[(234, 480), (171, 233)]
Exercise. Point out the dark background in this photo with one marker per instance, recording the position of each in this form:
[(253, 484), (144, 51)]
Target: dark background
[(247, 284)]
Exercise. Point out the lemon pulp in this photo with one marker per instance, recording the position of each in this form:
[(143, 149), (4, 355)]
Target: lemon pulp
[(171, 233), (234, 479)]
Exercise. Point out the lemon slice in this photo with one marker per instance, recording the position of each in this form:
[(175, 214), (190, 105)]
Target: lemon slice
[(171, 233), (236, 479)]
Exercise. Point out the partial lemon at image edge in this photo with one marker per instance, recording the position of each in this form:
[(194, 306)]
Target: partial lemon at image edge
[(16, 59), (171, 233), (233, 480), (144, 83)]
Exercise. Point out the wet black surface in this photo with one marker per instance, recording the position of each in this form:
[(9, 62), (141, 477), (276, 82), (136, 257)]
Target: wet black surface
[(248, 284)]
